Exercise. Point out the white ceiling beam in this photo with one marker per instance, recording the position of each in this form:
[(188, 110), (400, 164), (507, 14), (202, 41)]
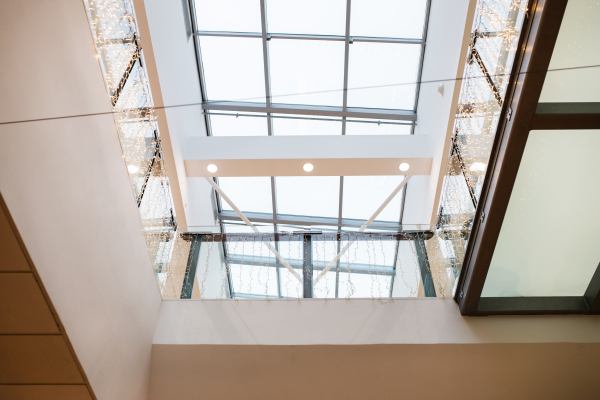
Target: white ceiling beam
[(285, 155)]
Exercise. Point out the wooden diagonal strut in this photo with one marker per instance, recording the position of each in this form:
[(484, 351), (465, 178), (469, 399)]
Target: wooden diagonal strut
[(238, 212)]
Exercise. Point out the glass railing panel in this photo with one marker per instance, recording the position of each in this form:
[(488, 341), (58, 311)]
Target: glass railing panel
[(494, 39)]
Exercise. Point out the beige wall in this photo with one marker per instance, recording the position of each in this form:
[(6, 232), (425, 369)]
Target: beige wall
[(418, 348), (444, 371), (66, 185)]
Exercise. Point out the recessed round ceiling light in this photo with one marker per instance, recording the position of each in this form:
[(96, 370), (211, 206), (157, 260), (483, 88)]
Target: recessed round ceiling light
[(477, 167), (308, 167), (212, 168), (404, 166), (132, 169)]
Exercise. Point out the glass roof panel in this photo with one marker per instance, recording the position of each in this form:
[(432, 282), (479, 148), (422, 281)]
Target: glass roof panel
[(228, 15), (230, 125), (252, 194), (577, 45), (316, 196), (548, 263), (361, 128), (364, 194), (315, 17), (233, 68), (305, 127), (387, 72), (306, 71), (388, 18)]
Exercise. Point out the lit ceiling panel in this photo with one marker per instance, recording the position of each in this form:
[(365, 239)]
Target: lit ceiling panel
[(233, 68), (383, 75), (307, 71), (228, 15), (388, 18), (307, 17)]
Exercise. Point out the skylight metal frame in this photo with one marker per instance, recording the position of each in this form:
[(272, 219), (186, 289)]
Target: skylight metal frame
[(345, 112)]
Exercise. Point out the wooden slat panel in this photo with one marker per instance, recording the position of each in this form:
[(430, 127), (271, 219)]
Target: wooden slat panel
[(12, 258), (36, 359), (24, 309), (44, 392)]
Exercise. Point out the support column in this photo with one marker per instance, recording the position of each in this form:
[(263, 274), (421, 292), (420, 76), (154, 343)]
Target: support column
[(307, 267), (426, 278), (190, 270)]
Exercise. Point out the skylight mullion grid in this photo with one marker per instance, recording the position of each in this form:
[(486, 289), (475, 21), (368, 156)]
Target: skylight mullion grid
[(420, 70), (346, 59), (275, 230), (263, 18), (198, 51)]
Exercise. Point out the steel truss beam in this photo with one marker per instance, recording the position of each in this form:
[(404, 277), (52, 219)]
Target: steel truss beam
[(335, 38), (300, 220), (324, 111), (354, 268)]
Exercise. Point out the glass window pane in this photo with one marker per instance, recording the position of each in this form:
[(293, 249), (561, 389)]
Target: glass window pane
[(230, 125), (253, 278), (364, 285), (548, 243), (408, 275), (233, 68), (325, 288), (301, 68), (391, 68), (305, 127), (372, 128), (364, 194), (228, 15), (315, 17), (388, 18), (251, 194), (577, 45), (315, 196)]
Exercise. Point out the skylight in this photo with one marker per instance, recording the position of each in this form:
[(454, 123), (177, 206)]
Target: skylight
[(334, 63)]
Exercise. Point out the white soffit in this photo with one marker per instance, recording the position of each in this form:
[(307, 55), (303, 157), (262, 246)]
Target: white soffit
[(286, 155)]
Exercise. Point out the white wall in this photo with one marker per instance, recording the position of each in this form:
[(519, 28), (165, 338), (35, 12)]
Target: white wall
[(444, 52), (359, 321), (66, 186), (179, 82)]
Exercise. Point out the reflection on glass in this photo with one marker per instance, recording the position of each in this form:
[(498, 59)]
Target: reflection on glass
[(316, 196), (532, 257), (231, 125), (251, 194), (315, 17), (364, 194), (577, 45), (361, 128), (307, 71), (233, 68), (383, 75), (406, 281), (388, 18), (228, 15), (305, 127)]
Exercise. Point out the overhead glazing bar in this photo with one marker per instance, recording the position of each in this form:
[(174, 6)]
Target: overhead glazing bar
[(336, 38), (325, 111)]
